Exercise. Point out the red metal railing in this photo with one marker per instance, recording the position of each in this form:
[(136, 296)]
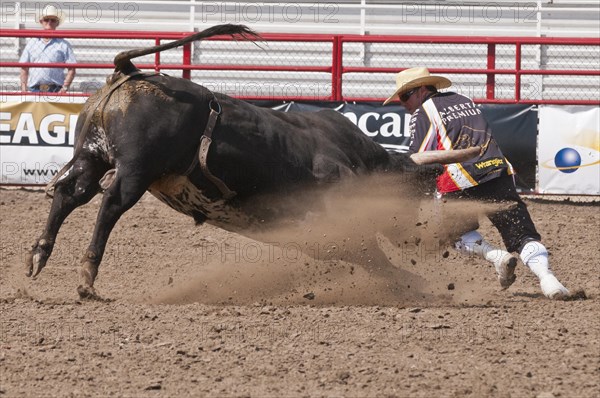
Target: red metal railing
[(491, 70), (337, 68)]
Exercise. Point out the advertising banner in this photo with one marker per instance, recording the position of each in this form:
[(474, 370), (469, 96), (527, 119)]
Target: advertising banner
[(514, 127), (388, 126), (36, 140), (569, 150)]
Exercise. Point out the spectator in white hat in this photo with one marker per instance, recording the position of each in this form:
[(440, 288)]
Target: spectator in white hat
[(47, 50), (447, 120)]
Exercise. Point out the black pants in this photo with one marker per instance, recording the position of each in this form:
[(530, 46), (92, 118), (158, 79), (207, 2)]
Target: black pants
[(515, 224)]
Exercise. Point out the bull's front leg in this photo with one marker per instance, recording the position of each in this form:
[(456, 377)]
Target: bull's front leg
[(122, 194), (78, 188)]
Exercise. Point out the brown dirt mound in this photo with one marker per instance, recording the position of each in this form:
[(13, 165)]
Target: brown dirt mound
[(360, 247)]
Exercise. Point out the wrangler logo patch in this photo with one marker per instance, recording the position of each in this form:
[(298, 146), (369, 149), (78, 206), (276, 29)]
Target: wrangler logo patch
[(495, 162)]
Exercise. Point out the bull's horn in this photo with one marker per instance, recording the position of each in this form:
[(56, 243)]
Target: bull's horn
[(445, 157)]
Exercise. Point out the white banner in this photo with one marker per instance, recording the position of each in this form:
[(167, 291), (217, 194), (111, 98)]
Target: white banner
[(569, 150), (36, 138)]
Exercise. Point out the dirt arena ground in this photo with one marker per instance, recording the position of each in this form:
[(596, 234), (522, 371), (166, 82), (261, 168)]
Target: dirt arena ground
[(196, 311)]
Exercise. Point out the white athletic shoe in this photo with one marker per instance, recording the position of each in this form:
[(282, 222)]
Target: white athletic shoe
[(552, 288), (505, 268)]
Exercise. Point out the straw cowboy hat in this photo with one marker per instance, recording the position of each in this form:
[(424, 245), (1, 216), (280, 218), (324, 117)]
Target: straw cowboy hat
[(416, 77), (50, 11)]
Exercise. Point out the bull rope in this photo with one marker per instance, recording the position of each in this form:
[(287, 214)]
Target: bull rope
[(205, 142)]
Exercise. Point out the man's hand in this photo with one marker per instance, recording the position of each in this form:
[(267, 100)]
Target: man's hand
[(24, 76), (68, 80)]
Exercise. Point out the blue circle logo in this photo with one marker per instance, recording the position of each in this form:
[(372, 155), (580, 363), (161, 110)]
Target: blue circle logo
[(567, 160)]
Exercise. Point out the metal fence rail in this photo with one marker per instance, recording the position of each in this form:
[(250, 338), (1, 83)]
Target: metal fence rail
[(337, 67)]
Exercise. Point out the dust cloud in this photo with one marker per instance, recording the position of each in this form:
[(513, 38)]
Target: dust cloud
[(371, 240)]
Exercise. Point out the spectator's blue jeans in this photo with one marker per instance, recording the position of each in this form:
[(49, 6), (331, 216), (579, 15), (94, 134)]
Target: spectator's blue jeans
[(47, 88)]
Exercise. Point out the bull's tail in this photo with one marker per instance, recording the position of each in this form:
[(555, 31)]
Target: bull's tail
[(123, 62)]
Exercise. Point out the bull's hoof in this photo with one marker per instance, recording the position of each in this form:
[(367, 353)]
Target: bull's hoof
[(88, 293), (34, 264), (29, 264), (36, 258), (88, 272)]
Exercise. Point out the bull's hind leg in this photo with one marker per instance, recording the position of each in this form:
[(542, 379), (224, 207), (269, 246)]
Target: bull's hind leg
[(78, 188), (122, 194)]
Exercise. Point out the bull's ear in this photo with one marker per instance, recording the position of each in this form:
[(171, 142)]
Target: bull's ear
[(445, 157)]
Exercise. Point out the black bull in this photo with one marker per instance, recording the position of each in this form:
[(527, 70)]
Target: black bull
[(143, 132)]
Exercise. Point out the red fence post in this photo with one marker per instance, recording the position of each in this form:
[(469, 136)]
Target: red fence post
[(187, 60), (157, 56), (491, 77), (336, 69), (518, 72)]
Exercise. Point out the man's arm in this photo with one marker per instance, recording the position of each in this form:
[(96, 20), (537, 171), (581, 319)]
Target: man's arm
[(24, 76), (68, 80)]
